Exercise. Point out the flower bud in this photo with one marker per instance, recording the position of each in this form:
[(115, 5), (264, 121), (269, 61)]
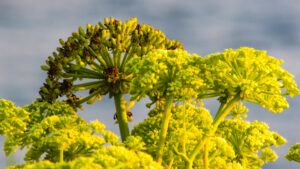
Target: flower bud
[(106, 21), (45, 90), (55, 55), (97, 27), (91, 101), (88, 26), (59, 65), (75, 35), (111, 20), (62, 42), (99, 97), (45, 67), (101, 25), (81, 31), (113, 42)]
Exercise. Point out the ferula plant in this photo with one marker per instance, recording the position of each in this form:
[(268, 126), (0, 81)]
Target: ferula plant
[(98, 56), (114, 59)]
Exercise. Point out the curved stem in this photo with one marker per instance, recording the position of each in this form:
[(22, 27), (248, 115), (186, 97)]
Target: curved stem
[(164, 128), (122, 116), (183, 155)]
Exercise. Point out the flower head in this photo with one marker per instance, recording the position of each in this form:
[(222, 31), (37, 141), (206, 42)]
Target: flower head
[(164, 72), (250, 73), (99, 55)]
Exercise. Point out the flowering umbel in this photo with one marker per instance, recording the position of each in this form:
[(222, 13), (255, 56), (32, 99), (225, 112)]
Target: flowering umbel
[(251, 74), (100, 54)]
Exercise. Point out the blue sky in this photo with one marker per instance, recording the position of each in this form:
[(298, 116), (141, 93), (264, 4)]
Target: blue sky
[(30, 29)]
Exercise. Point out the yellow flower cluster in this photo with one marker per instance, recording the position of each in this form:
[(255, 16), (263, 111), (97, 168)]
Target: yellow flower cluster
[(252, 75), (13, 124), (46, 129), (247, 139), (104, 158), (294, 153), (163, 73), (197, 122)]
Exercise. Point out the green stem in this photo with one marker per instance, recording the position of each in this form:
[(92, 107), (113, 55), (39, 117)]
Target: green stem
[(98, 67), (87, 76), (122, 116), (88, 97), (184, 129), (170, 164), (61, 155), (183, 155), (107, 56), (164, 128), (189, 165), (205, 156), (222, 114), (98, 82), (128, 56), (224, 109)]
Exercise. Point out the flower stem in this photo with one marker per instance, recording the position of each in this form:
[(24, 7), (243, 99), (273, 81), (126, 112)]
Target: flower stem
[(61, 155), (122, 116), (224, 109), (205, 156), (164, 128), (224, 112)]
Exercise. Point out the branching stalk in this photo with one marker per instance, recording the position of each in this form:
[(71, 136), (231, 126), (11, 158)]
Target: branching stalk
[(224, 109), (164, 128)]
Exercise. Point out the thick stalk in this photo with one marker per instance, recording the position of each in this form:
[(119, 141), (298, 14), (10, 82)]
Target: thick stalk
[(122, 116), (164, 128), (221, 114), (189, 165)]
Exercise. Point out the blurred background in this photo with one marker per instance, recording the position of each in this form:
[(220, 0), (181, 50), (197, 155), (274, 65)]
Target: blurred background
[(30, 29)]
